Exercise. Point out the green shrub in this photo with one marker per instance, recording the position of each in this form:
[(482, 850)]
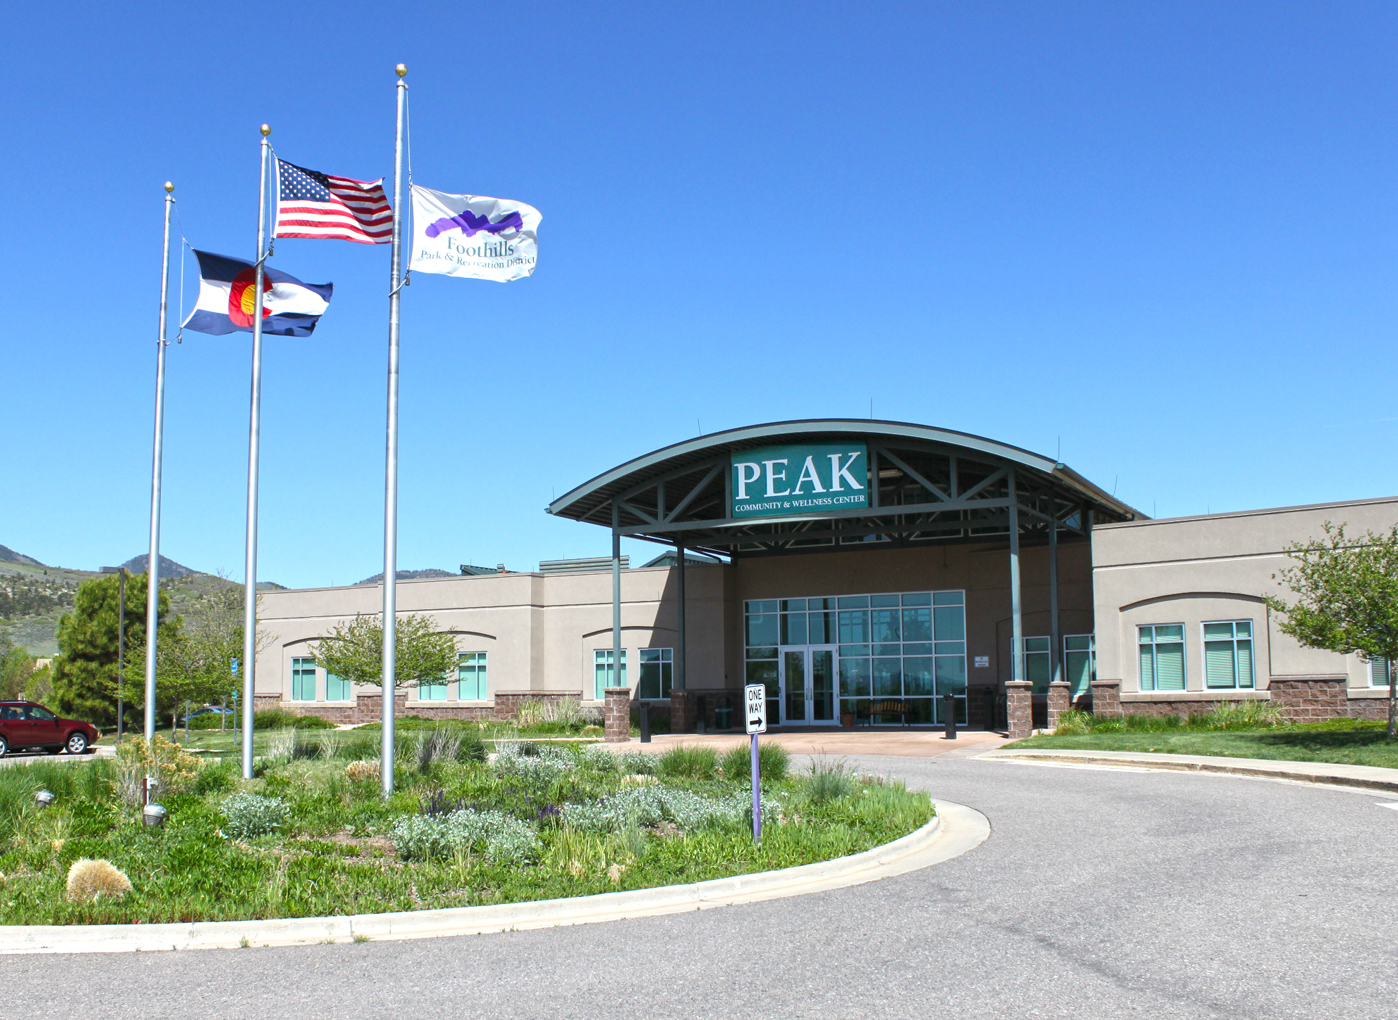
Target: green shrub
[(636, 763), (210, 721), (280, 718), (687, 762), (498, 837), (648, 806), (249, 814)]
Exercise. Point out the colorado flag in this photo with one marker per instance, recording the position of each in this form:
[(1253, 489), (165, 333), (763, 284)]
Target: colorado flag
[(227, 295)]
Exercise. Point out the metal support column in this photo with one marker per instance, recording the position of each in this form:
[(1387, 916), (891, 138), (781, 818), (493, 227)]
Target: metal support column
[(681, 652), (1016, 613), (616, 597), (1055, 639)]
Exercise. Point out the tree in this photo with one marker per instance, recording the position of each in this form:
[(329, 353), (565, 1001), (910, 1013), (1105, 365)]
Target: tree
[(84, 670), (195, 662), (354, 651), (16, 665), (1346, 599)]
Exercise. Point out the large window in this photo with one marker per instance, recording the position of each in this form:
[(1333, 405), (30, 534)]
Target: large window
[(1079, 662), (303, 679), (657, 673), (1379, 672), (336, 689), (897, 652), (1228, 659), (471, 682), (1162, 657), (603, 676), (1038, 665)]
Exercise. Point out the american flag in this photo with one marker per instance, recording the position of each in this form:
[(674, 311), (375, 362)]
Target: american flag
[(313, 204)]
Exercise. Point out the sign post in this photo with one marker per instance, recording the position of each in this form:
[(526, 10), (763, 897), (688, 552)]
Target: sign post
[(755, 712)]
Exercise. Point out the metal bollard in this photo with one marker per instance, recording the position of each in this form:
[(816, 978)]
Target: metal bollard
[(643, 710), (949, 710)]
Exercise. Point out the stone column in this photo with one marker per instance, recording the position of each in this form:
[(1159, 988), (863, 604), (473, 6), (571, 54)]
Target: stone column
[(1059, 701), (616, 715), (1019, 705), (1304, 699), (1106, 698), (681, 711)]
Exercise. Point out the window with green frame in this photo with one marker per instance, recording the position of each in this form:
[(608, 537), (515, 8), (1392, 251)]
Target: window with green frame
[(336, 689), (471, 684), (657, 673), (602, 673), (1228, 658), (1379, 672), (1162, 657), (1038, 669), (303, 679), (1079, 662)]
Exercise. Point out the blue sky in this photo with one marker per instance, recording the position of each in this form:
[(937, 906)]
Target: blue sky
[(1159, 237)]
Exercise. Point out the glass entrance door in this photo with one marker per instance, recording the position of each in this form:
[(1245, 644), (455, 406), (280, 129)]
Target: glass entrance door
[(809, 685)]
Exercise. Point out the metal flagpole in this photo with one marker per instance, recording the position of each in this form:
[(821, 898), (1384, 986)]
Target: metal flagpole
[(254, 436), (390, 511), (121, 645), (153, 567)]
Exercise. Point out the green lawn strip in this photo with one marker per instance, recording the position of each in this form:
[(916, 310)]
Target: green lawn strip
[(1341, 741), (337, 854)]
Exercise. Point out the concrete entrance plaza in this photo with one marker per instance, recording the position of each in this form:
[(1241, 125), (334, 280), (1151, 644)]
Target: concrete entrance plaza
[(905, 743), (1101, 893)]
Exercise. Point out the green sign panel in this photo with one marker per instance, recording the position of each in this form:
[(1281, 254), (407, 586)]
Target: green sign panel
[(800, 479)]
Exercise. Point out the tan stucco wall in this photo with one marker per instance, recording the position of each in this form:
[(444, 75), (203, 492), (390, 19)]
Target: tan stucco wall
[(539, 630), (1192, 570)]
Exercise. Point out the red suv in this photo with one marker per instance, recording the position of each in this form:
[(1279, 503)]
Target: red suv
[(25, 724)]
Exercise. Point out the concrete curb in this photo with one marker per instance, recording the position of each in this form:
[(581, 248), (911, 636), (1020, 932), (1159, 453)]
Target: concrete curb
[(1367, 777), (955, 830)]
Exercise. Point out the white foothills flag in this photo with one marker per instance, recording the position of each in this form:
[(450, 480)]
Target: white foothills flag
[(473, 236)]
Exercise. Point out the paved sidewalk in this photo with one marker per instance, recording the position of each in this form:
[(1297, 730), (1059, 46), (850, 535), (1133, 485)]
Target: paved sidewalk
[(1364, 776), (898, 743)]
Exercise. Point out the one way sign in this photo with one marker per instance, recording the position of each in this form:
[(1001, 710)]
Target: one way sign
[(755, 696)]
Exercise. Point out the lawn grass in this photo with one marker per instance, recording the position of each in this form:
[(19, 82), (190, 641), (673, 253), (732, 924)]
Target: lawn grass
[(1341, 741), (344, 849)]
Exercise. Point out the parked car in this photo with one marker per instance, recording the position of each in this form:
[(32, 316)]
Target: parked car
[(23, 724)]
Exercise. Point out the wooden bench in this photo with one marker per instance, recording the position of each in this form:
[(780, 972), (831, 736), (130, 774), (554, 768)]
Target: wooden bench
[(899, 708)]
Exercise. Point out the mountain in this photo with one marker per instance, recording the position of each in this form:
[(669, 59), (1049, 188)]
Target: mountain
[(168, 567), (408, 575), (10, 556)]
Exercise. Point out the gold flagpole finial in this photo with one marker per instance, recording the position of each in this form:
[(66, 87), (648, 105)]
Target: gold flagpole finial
[(401, 70), (169, 187), (266, 130)]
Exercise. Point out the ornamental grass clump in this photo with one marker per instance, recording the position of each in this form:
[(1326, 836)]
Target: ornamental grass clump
[(173, 768), (829, 781), (90, 880), (1074, 722), (249, 814), (773, 762), (1243, 715), (689, 763), (497, 837)]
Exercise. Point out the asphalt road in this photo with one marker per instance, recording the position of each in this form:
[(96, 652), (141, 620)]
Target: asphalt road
[(1100, 894)]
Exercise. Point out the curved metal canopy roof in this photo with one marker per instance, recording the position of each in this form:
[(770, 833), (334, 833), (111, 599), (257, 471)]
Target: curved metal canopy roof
[(696, 471)]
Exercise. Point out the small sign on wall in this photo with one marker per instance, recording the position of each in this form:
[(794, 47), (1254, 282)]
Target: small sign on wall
[(982, 662)]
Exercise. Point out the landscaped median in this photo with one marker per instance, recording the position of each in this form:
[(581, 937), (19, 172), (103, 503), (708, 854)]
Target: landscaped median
[(1249, 730), (312, 836)]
